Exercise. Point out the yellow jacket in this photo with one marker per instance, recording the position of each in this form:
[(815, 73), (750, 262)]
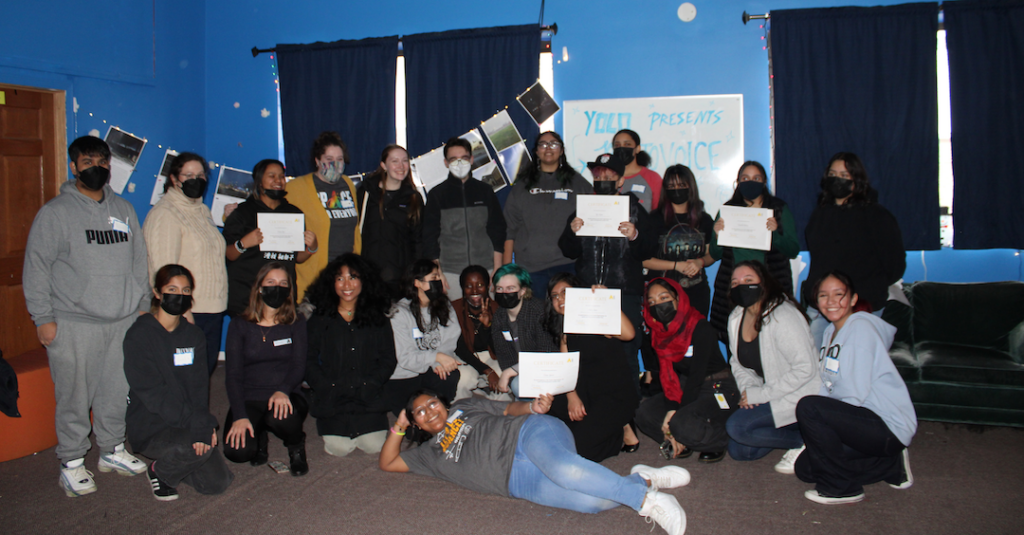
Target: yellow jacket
[(302, 193)]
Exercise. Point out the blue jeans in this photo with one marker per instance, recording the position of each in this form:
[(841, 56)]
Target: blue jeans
[(547, 471), (752, 434)]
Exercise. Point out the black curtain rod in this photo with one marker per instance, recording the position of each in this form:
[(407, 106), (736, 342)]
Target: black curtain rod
[(552, 28), (746, 17)]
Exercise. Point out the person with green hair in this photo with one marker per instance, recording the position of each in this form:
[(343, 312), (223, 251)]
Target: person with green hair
[(518, 325)]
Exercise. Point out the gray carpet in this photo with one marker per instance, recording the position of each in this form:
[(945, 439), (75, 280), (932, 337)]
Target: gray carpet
[(966, 482)]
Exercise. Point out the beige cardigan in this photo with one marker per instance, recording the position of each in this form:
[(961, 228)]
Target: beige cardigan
[(179, 230)]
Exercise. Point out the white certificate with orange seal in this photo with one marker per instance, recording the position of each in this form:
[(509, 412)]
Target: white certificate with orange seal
[(602, 214), (593, 311), (547, 373), (746, 228)]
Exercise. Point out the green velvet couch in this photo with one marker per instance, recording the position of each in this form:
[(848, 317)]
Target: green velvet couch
[(960, 349)]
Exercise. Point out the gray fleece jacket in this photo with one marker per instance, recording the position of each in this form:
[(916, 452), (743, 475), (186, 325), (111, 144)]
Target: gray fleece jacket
[(417, 350), (788, 360), (85, 260)]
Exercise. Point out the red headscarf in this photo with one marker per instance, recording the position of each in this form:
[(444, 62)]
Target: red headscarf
[(672, 343)]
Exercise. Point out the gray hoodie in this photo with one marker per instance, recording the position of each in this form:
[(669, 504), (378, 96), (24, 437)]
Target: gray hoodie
[(85, 260)]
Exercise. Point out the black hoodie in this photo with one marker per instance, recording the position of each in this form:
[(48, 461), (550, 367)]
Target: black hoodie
[(391, 240), (167, 388)]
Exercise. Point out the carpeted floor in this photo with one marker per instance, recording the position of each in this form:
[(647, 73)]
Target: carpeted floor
[(966, 482)]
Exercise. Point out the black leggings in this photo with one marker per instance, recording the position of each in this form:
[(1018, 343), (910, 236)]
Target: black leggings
[(262, 419)]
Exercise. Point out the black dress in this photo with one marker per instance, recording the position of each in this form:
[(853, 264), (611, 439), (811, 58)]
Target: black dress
[(608, 394)]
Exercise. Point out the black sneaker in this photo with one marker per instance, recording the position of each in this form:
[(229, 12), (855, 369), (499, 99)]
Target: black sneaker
[(161, 491)]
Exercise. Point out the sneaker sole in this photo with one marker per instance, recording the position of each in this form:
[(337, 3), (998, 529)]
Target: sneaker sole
[(827, 500), (74, 494), (166, 498), (788, 470)]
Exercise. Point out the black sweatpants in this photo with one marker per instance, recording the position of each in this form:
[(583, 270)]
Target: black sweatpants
[(847, 447), (699, 425), (177, 462), (262, 419)]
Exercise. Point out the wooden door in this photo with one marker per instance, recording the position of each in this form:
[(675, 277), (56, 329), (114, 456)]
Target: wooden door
[(33, 152)]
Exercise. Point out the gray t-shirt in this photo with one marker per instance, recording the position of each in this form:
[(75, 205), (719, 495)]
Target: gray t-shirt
[(340, 205), (475, 450)]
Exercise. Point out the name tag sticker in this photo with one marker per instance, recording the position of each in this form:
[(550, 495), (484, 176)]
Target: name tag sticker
[(184, 357), (722, 403), (689, 351), (416, 333), (638, 188), (562, 195), (282, 342), (507, 335), (832, 364), (119, 226)]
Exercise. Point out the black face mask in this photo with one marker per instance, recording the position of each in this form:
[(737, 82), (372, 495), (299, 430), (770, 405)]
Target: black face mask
[(745, 295), (605, 187), (678, 196), (193, 188), (175, 304), (275, 296), (664, 312), (275, 194), (94, 178), (751, 189), (839, 187), (435, 291), (624, 155), (509, 300)]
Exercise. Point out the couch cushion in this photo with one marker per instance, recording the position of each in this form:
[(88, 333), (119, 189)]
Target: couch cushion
[(977, 314), (952, 363)]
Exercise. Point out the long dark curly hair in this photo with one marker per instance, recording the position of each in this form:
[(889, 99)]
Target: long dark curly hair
[(373, 303), (438, 308), (553, 322)]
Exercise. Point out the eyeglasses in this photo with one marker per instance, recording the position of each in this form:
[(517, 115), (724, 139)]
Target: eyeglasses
[(190, 177), (558, 296), (549, 145), (421, 412)]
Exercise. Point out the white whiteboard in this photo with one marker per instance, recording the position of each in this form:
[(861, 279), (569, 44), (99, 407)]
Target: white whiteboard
[(704, 133)]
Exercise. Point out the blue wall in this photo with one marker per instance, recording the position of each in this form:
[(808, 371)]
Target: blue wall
[(137, 65), (172, 72)]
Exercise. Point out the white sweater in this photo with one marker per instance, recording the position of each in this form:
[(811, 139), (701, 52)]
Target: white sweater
[(788, 360), (180, 230)]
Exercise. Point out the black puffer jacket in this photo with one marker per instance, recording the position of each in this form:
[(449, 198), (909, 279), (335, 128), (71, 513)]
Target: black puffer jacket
[(613, 262), (347, 368)]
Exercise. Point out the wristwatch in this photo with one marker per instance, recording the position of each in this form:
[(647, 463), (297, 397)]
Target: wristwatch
[(238, 246)]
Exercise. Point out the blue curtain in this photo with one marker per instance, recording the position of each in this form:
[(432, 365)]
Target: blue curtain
[(860, 80), (985, 41), (457, 79), (344, 86)]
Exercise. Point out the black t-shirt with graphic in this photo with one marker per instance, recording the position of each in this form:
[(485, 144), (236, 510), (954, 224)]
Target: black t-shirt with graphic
[(680, 242), (341, 209)]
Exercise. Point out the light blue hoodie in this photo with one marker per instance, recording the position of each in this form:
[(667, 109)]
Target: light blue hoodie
[(865, 376)]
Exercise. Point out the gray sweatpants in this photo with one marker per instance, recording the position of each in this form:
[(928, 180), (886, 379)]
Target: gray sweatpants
[(87, 366)]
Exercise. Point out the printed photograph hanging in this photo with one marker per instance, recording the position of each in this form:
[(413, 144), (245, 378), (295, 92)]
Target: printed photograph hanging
[(501, 131), (233, 186), (125, 150), (538, 103), (161, 178)]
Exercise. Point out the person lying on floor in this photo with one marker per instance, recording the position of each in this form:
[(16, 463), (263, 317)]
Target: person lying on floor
[(516, 450)]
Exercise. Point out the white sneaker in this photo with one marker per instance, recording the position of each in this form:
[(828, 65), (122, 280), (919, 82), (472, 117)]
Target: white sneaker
[(666, 511), (75, 479), (908, 478), (785, 466), (123, 462), (814, 496), (666, 477)]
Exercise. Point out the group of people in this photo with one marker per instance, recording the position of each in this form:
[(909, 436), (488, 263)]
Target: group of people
[(399, 304)]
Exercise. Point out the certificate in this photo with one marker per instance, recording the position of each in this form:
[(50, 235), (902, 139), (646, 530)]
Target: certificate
[(746, 228), (547, 373), (282, 232), (593, 311), (602, 214)]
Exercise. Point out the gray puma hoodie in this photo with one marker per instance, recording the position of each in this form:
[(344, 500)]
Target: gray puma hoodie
[(85, 260)]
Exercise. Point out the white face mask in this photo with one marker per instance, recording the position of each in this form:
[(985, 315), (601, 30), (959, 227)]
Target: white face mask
[(459, 168), (332, 171)]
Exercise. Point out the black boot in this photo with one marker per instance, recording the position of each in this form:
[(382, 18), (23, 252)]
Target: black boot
[(297, 458), (261, 450)]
